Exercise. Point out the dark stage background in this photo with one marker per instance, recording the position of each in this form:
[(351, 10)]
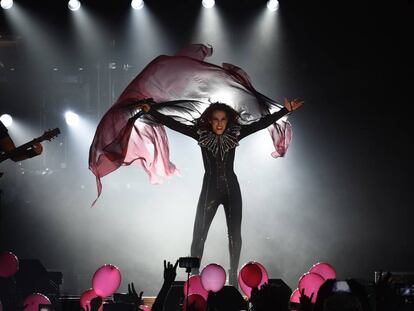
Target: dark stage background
[(343, 193)]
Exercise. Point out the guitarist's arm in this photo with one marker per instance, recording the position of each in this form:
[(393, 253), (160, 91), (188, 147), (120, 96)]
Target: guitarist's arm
[(6, 143), (28, 150), (21, 154), (9, 150)]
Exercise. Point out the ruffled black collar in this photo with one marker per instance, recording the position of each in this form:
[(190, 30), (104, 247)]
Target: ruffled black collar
[(219, 143)]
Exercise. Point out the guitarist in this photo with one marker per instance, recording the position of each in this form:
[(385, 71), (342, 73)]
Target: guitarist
[(7, 146)]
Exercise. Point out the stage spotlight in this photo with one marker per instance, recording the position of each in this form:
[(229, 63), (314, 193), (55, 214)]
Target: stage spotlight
[(137, 4), (74, 5), (208, 3), (6, 119), (272, 5), (71, 118), (6, 4)]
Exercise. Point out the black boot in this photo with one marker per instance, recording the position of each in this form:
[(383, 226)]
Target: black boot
[(232, 279)]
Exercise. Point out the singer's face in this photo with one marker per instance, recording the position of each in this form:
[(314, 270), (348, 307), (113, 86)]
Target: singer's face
[(219, 122)]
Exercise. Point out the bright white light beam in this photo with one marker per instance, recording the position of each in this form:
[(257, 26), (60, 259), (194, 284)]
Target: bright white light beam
[(6, 119), (74, 5), (137, 4), (273, 5), (208, 3), (6, 4), (71, 118)]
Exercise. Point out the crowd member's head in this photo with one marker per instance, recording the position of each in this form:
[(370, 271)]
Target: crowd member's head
[(271, 297), (342, 301), (227, 299), (341, 296), (325, 291), (359, 290)]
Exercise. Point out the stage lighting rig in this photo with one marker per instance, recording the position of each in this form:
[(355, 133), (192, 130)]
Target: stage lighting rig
[(71, 118), (208, 3), (6, 4), (6, 119), (137, 4), (272, 5), (74, 5)]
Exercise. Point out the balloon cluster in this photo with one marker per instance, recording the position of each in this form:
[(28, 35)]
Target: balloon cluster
[(9, 266), (311, 281), (105, 281), (211, 279)]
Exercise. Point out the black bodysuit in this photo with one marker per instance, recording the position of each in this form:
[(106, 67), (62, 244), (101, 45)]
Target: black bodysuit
[(220, 185)]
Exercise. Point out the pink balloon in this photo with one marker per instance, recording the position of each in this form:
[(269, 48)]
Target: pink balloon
[(197, 301), (196, 287), (9, 264), (144, 308), (86, 297), (295, 297), (34, 300), (1, 306), (247, 289), (106, 280), (251, 274), (311, 282), (324, 269), (213, 277)]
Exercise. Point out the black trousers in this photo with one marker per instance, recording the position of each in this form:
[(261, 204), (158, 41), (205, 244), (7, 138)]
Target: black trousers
[(218, 190)]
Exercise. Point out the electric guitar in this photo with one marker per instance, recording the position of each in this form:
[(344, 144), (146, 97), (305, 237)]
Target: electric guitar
[(29, 150)]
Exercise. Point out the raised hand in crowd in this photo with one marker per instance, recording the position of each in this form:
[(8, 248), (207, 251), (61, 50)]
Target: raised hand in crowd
[(132, 296), (170, 272), (305, 301)]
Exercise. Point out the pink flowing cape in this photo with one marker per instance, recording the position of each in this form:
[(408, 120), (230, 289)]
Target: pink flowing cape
[(182, 85)]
